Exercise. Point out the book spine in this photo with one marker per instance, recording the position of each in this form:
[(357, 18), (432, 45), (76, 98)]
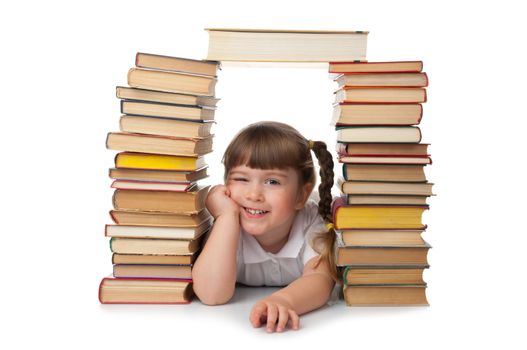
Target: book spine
[(345, 172), (122, 106), (114, 217)]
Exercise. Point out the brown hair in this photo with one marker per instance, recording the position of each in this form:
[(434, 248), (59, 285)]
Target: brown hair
[(274, 145)]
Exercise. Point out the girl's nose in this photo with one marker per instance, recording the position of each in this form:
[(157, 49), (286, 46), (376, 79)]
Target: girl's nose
[(254, 192)]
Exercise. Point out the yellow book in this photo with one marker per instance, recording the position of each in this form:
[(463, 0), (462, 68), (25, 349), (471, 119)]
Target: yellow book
[(157, 161), (378, 217)]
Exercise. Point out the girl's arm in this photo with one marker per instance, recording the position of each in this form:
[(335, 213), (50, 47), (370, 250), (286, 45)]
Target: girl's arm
[(214, 272), (309, 292)]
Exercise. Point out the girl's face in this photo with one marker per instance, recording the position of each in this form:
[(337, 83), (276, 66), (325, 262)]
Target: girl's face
[(268, 199)]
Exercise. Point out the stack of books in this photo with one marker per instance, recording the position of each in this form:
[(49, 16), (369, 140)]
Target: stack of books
[(378, 106), (159, 210)]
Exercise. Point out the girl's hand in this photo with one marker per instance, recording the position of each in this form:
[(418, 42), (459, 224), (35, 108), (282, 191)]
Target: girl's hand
[(219, 202), (274, 311)]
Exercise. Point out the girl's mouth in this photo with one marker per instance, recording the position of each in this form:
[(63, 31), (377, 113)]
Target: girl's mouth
[(255, 212)]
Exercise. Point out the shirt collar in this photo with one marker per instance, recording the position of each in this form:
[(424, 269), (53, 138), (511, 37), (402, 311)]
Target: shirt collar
[(254, 253)]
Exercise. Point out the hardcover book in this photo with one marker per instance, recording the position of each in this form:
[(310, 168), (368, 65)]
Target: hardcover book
[(145, 291)]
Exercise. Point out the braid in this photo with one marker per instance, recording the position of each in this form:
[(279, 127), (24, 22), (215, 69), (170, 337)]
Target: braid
[(327, 239)]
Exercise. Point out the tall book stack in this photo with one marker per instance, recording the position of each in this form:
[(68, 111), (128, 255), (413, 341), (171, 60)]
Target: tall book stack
[(378, 106), (159, 210)]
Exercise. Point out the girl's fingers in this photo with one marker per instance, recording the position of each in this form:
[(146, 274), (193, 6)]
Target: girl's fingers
[(283, 317), (295, 320), (272, 317), (258, 312)]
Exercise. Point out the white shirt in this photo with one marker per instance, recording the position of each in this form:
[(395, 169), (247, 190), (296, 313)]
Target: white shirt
[(256, 267)]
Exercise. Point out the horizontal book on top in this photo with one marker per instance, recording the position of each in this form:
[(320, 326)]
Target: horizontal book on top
[(171, 82), (385, 160), (383, 172), (141, 143), (383, 149), (134, 94), (349, 94), (145, 291), (148, 246), (383, 275), (380, 237), (382, 255), (380, 67), (154, 185), (286, 45), (158, 161), (165, 126), (385, 188), (391, 200), (177, 64)]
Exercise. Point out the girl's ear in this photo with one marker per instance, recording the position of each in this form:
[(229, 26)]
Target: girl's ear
[(303, 195)]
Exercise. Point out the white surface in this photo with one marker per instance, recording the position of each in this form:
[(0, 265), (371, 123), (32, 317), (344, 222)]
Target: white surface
[(60, 65)]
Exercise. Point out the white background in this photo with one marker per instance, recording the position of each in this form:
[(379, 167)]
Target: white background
[(60, 63)]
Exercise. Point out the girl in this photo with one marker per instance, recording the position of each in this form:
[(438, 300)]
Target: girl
[(264, 226)]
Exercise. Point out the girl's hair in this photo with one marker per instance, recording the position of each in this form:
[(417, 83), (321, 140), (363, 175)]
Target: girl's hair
[(274, 145)]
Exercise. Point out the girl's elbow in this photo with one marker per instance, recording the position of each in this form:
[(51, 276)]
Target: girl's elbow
[(212, 298)]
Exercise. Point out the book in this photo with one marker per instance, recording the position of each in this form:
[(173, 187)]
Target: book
[(369, 67), (376, 216), (171, 82), (377, 114), (164, 126), (349, 94), (383, 79), (382, 256), (378, 238), (153, 246), (177, 146), (153, 271), (140, 259), (166, 110), (385, 160), (160, 201), (142, 218), (144, 291), (385, 295), (286, 45), (177, 64), (383, 149), (386, 199), (128, 93), (383, 172), (154, 185), (379, 134), (134, 231), (354, 275), (157, 175), (158, 162), (386, 188)]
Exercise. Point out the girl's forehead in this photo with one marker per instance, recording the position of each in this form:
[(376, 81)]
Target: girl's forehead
[(285, 172)]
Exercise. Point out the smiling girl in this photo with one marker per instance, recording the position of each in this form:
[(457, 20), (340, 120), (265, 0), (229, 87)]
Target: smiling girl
[(266, 232)]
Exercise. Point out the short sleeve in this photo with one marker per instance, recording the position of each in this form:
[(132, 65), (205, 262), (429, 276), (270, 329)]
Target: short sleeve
[(314, 226)]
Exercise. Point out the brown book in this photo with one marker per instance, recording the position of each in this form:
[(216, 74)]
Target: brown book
[(145, 291), (386, 295), (171, 82), (128, 93), (383, 275), (379, 238), (364, 199), (383, 79), (153, 246), (177, 64), (377, 114), (144, 218), (153, 271), (157, 175), (166, 110), (385, 160), (383, 149), (382, 256), (378, 134), (160, 201), (380, 67), (177, 146), (140, 259), (162, 232), (383, 172), (380, 95), (386, 188), (164, 126)]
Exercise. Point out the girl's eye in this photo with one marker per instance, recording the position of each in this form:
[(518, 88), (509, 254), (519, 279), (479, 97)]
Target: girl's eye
[(239, 179), (272, 182)]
